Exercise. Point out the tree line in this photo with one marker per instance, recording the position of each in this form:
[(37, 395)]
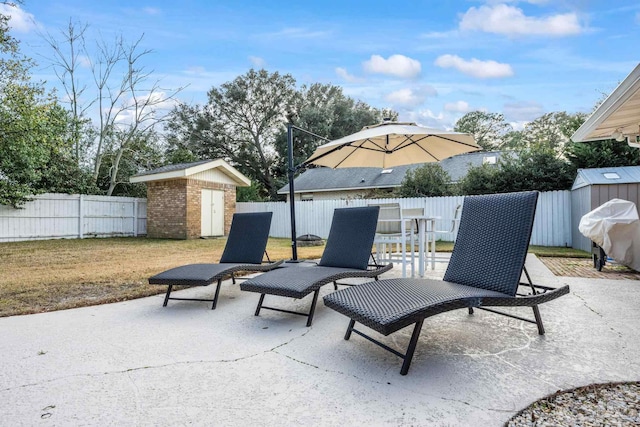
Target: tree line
[(117, 120)]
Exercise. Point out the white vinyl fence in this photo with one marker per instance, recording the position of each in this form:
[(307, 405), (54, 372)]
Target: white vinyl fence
[(552, 225), (53, 216), (56, 216)]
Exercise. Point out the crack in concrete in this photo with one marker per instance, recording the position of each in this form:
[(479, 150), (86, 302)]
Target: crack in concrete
[(584, 302), (188, 362)]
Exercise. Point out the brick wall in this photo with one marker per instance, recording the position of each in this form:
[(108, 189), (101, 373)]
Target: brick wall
[(174, 210), (166, 209)]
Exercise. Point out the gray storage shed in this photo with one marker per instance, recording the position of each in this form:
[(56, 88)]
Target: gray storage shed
[(593, 187)]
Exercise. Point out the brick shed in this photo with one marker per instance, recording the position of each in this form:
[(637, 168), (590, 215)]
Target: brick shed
[(191, 200)]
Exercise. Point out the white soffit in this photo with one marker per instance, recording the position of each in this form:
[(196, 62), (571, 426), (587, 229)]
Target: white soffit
[(619, 112), (197, 170)]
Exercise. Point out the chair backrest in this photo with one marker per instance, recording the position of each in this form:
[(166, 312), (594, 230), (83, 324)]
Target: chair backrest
[(247, 238), (456, 219), (493, 239), (351, 238), (412, 212), (389, 218)]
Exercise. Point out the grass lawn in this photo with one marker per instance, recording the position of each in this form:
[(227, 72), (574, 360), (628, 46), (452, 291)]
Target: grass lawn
[(48, 275)]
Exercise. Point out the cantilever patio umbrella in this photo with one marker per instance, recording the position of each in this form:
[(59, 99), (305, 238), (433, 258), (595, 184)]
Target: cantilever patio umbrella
[(390, 144), (384, 145)]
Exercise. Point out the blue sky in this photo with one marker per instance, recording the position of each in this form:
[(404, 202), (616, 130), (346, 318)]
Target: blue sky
[(430, 61)]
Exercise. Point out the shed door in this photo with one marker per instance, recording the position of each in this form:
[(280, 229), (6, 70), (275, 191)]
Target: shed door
[(212, 213)]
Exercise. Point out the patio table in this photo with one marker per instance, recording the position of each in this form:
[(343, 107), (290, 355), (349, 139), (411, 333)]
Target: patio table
[(426, 240)]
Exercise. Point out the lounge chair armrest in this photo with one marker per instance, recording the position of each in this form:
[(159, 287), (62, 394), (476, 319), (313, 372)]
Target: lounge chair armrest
[(549, 294), (381, 269)]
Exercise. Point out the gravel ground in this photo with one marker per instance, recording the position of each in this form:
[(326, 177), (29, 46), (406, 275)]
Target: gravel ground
[(616, 404)]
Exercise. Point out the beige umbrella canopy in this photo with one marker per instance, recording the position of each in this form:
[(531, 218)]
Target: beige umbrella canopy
[(392, 144)]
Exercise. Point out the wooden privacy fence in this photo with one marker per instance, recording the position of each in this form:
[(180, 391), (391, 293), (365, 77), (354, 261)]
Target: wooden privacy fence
[(55, 216), (552, 225)]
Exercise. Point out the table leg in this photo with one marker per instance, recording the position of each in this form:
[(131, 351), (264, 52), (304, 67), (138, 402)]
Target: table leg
[(421, 248)]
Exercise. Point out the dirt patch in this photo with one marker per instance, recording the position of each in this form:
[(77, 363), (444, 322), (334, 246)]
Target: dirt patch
[(583, 267)]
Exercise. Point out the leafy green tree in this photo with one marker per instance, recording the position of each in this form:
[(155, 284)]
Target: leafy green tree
[(599, 154), (239, 123), (479, 180), (552, 130), (145, 154), (62, 174), (537, 168), (249, 194), (428, 180), (488, 129), (32, 127)]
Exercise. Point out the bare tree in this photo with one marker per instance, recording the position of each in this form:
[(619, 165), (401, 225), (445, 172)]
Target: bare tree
[(67, 63), (127, 102)]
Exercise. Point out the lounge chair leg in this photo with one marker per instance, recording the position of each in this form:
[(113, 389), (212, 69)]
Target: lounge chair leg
[(233, 278), (313, 307), (470, 310), (412, 348), (335, 286), (166, 297), (259, 305), (536, 313), (215, 298), (349, 329)]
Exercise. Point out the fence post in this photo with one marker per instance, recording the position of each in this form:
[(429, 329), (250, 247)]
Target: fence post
[(80, 218), (135, 218)]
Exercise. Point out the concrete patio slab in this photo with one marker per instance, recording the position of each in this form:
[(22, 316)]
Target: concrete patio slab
[(137, 363)]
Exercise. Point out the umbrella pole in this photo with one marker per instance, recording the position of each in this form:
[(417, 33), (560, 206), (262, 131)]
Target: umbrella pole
[(292, 200)]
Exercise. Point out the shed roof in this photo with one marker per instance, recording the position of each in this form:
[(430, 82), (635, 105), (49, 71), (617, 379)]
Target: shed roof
[(619, 112), (187, 170), (328, 179), (607, 176)]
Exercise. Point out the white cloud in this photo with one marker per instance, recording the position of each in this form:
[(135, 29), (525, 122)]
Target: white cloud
[(427, 118), (404, 97), (257, 61), (475, 67), (396, 65), (344, 74), (524, 111), (509, 20), (457, 107), (156, 101), (410, 97), (20, 21)]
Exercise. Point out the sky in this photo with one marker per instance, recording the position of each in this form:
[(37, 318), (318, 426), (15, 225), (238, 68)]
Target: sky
[(431, 61)]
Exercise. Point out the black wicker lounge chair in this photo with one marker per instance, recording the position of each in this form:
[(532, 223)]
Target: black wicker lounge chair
[(485, 270), (346, 255), (243, 251)]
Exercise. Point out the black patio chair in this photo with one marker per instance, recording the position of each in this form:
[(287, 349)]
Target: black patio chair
[(485, 270), (346, 255), (246, 244)]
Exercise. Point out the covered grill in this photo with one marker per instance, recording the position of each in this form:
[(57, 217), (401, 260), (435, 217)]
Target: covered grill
[(614, 229)]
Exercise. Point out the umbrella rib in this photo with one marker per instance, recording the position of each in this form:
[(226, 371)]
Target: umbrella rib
[(404, 144), (339, 147), (357, 147)]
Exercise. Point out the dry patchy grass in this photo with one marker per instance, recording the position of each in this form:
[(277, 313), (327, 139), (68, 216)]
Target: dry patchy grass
[(50, 275)]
